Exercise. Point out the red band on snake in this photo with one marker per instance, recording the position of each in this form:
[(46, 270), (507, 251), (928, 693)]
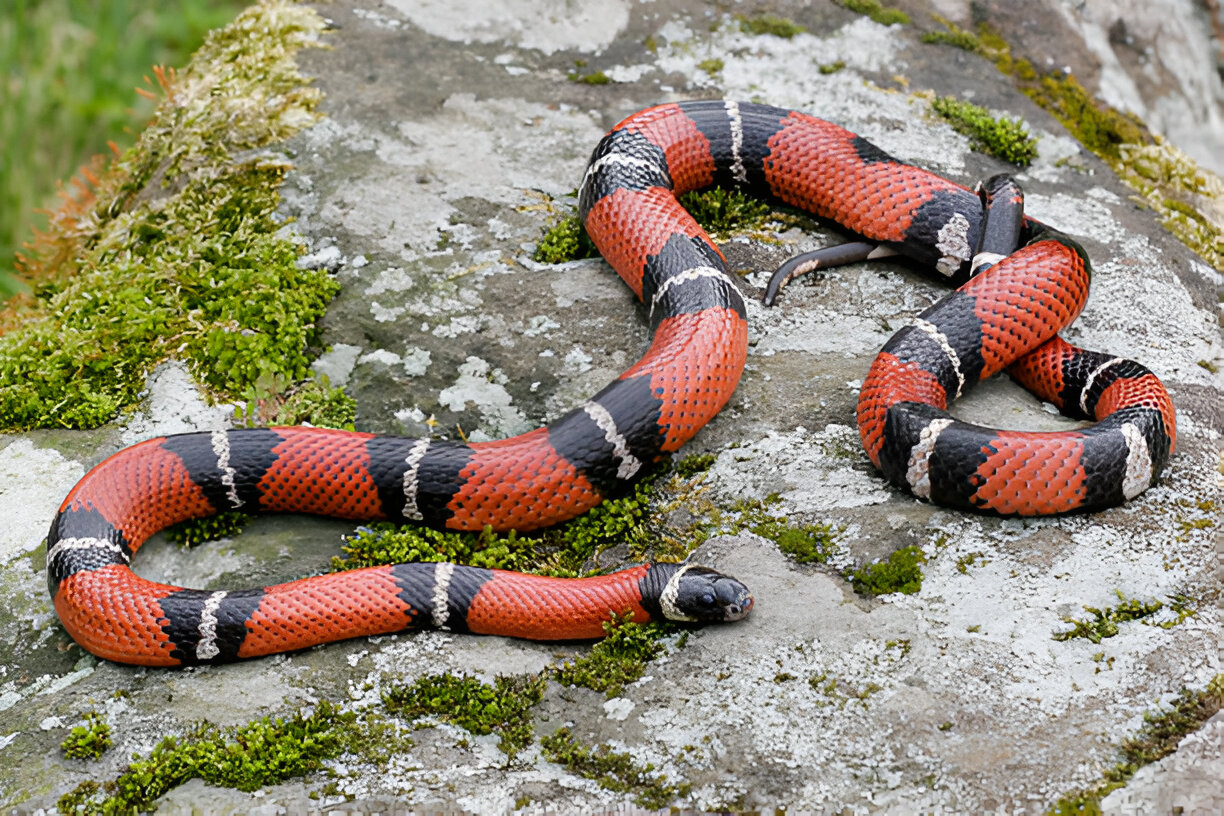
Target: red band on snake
[(1006, 317)]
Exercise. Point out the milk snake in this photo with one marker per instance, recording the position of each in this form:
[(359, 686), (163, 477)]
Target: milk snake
[(1006, 318)]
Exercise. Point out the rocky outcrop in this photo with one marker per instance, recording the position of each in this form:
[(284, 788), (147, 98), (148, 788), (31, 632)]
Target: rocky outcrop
[(453, 134)]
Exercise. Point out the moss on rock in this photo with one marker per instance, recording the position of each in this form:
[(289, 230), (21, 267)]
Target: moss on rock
[(175, 251)]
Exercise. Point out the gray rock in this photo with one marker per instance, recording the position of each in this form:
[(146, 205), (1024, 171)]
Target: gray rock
[(452, 133)]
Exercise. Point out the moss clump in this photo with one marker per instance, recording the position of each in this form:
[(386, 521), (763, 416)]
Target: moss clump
[(1159, 737), (876, 11), (831, 67), (953, 35), (1007, 139), (900, 572), (968, 560), (313, 402), (561, 550), (711, 66), (261, 753), (565, 240), (88, 741), (1104, 622), (174, 251), (612, 770), (805, 543), (503, 708), (593, 78), (722, 212), (618, 659), (212, 528), (769, 24), (385, 543), (1098, 127), (1180, 192), (697, 463)]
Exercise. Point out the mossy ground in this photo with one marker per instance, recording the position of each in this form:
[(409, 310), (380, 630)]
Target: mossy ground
[(618, 659), (173, 250), (1103, 623), (503, 708), (88, 741), (247, 758), (612, 770), (1161, 732), (1004, 138), (900, 572), (771, 24), (877, 11)]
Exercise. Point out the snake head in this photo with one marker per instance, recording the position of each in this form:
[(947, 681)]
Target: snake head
[(702, 595)]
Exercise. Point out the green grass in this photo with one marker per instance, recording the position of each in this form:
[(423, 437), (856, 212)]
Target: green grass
[(70, 69)]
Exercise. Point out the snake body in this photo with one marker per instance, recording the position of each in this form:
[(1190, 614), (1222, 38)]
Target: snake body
[(1009, 316)]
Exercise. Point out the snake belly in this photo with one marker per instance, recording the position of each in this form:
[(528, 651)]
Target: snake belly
[(628, 205)]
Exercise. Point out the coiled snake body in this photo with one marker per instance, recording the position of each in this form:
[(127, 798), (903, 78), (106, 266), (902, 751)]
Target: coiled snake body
[(1007, 317)]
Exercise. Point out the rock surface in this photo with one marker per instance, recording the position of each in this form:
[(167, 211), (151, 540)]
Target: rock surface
[(453, 133)]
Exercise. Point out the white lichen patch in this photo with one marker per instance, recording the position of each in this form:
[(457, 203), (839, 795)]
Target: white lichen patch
[(485, 388), (812, 472), (337, 363), (35, 481), (174, 404), (548, 26)]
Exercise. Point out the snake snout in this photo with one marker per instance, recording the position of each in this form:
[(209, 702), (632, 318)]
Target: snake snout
[(734, 599)]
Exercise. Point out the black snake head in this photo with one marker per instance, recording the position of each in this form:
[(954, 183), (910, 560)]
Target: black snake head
[(702, 595)]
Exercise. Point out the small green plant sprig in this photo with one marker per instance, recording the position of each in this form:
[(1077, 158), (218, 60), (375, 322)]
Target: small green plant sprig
[(502, 708), (88, 741)]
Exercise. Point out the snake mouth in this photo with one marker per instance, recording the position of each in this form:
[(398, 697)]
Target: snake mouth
[(739, 609)]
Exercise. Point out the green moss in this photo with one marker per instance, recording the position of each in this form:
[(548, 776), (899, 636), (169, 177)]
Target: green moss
[(559, 550), (1104, 622), (565, 240), (1007, 139), (953, 35), (385, 543), (970, 560), (1098, 127), (1161, 732), (618, 659), (697, 463), (900, 572), (313, 402), (175, 252), (612, 770), (724, 211), (261, 753), (503, 708), (711, 66), (831, 67), (876, 11), (88, 741), (769, 24), (839, 691), (593, 78), (211, 528), (805, 543), (1179, 191)]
